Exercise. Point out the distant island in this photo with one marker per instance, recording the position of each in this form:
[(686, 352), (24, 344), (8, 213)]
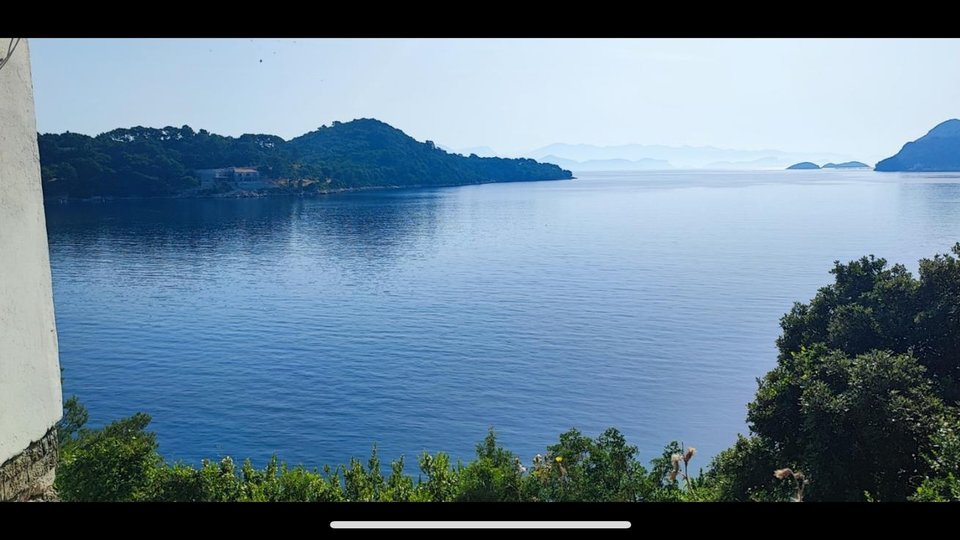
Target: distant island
[(807, 165), (170, 161), (803, 165), (846, 165), (591, 157), (937, 151)]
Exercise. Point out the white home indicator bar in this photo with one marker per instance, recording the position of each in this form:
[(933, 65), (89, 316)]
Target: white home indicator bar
[(480, 524)]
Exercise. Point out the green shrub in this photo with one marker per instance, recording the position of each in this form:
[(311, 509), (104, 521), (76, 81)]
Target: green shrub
[(115, 463)]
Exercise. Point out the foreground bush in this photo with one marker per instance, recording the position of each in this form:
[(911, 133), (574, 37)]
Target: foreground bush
[(120, 463)]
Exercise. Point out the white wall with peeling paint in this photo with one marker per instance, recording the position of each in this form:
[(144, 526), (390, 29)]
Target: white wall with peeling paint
[(30, 395)]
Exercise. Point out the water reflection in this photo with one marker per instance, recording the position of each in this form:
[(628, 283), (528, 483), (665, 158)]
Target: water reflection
[(371, 226), (929, 208)]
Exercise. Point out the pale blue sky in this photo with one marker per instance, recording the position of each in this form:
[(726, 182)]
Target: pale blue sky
[(859, 97)]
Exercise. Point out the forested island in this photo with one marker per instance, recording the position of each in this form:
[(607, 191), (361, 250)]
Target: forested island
[(846, 165), (806, 165), (937, 151), (170, 161)]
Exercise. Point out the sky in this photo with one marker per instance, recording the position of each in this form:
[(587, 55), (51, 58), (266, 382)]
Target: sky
[(859, 97)]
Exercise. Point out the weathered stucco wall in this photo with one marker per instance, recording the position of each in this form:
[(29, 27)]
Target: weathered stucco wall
[(30, 399)]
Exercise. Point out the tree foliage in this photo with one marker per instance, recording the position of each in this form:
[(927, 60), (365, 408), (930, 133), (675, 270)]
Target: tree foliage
[(120, 463), (863, 398), (116, 463)]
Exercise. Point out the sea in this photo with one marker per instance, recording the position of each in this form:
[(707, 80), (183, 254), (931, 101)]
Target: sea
[(415, 320)]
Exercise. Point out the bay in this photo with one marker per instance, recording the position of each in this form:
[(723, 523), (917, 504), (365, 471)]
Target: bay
[(416, 319)]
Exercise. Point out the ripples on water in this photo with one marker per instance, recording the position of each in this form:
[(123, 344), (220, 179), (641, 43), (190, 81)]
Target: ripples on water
[(415, 319)]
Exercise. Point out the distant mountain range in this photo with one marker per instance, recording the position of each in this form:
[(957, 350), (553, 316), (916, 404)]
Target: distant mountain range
[(937, 151), (360, 154), (639, 156), (608, 164)]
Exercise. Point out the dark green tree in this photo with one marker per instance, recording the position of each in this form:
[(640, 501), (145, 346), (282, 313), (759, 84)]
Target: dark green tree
[(115, 463), (865, 385)]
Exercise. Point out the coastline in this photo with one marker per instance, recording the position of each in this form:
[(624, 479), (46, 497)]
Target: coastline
[(280, 192)]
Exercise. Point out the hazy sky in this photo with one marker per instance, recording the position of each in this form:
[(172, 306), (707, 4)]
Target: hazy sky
[(860, 97)]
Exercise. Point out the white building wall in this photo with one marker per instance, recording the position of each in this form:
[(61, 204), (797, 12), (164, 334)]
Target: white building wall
[(30, 395)]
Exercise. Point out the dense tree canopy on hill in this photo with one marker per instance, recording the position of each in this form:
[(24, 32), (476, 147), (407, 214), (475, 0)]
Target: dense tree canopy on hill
[(148, 162)]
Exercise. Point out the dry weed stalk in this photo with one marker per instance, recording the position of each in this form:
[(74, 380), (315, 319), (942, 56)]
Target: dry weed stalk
[(798, 477)]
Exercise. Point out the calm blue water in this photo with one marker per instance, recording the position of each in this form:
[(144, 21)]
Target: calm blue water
[(313, 328)]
